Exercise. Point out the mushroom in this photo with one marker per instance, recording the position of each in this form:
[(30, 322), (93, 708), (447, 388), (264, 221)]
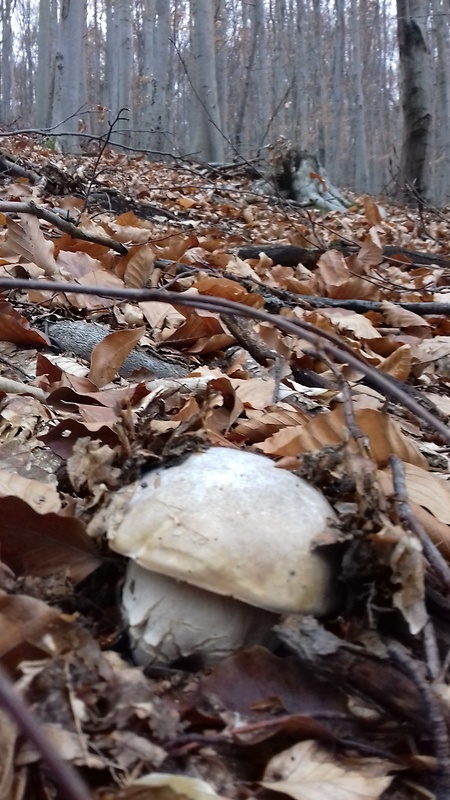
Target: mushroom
[(218, 546)]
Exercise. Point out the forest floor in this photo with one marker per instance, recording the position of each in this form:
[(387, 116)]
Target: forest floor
[(339, 371)]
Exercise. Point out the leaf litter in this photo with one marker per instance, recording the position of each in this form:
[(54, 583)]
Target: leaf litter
[(354, 706)]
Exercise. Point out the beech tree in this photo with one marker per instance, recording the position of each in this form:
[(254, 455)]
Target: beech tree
[(441, 163), (415, 93), (119, 62), (208, 140), (70, 96), (7, 61), (213, 79), (45, 56), (153, 106)]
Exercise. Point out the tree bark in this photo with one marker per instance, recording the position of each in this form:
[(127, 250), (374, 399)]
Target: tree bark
[(70, 87), (208, 142), (415, 94)]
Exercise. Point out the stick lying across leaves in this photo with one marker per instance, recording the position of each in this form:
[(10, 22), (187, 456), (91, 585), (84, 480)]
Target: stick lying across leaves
[(323, 343), (63, 776)]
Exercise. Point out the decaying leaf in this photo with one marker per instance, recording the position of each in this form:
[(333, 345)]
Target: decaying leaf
[(164, 786), (44, 544), (308, 771)]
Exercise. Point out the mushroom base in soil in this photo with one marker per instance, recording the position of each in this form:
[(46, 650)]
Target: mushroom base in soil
[(219, 545)]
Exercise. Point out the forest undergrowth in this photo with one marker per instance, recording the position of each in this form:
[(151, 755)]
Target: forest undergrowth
[(319, 341)]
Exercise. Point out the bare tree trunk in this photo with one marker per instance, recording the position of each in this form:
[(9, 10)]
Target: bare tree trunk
[(44, 83), (242, 145), (111, 61), (70, 64), (441, 155), (7, 64), (94, 58), (221, 26), (360, 164), (337, 92), (208, 139), (25, 102), (301, 67), (156, 113), (415, 93), (123, 28), (318, 50)]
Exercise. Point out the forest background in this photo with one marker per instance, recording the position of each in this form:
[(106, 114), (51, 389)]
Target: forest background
[(362, 84)]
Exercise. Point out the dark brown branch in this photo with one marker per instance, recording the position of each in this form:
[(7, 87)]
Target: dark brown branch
[(360, 306), (437, 725), (322, 342), (288, 255)]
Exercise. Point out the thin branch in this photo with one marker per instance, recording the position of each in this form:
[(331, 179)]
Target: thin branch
[(349, 415), (62, 224), (407, 517), (438, 727), (92, 137), (319, 340), (62, 774), (103, 145)]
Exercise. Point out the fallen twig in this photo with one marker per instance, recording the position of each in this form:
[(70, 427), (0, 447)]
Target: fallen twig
[(10, 386), (63, 776), (321, 341), (437, 725), (63, 224), (407, 517)]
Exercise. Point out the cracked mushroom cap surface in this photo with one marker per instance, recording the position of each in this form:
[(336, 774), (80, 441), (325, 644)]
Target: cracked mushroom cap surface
[(232, 523)]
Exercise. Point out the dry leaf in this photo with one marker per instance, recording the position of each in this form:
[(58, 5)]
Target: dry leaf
[(44, 544), (139, 268), (308, 771), (428, 490), (165, 786), (42, 497), (27, 239), (109, 355)]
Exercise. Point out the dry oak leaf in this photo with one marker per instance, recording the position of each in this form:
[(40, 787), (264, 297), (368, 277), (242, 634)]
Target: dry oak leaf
[(307, 771), (139, 268)]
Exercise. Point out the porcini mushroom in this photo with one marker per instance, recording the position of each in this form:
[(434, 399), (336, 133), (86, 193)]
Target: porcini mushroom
[(218, 546)]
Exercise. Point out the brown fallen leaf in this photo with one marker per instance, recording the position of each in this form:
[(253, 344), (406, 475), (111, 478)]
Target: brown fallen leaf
[(109, 355), (26, 239), (249, 677), (384, 435), (30, 629), (426, 489), (16, 328), (44, 544)]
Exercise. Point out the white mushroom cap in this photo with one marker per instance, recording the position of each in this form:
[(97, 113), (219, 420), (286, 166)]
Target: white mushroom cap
[(230, 522)]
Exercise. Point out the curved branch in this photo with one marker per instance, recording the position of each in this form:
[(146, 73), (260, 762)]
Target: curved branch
[(323, 343)]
